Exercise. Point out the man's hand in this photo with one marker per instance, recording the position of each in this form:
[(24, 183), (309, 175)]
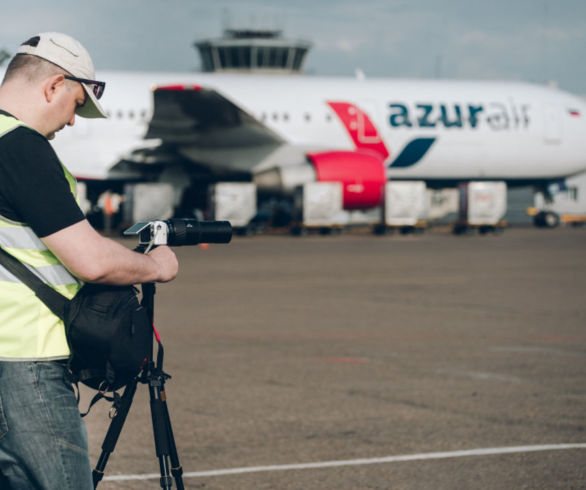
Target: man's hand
[(167, 262)]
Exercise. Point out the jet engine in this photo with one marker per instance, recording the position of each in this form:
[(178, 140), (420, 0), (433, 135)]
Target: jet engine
[(362, 175)]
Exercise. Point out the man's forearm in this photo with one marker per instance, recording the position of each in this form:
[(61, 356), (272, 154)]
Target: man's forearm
[(118, 265), (93, 258)]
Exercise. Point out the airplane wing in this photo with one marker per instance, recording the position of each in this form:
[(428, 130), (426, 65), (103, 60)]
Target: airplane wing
[(203, 118)]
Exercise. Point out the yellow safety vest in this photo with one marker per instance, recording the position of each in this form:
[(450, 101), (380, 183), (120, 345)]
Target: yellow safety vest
[(28, 329)]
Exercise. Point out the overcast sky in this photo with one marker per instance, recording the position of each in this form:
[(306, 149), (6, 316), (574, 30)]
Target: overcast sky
[(532, 40)]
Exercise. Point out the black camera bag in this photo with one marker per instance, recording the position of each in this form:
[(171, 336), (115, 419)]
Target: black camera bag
[(109, 335), (108, 331)]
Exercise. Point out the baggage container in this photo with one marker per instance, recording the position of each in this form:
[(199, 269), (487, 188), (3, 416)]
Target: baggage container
[(148, 201), (405, 203), (405, 207), (319, 205), (234, 202), (483, 206)]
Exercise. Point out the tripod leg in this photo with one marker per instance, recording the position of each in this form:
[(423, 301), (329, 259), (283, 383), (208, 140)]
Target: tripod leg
[(163, 433), (164, 440), (176, 468), (114, 432)]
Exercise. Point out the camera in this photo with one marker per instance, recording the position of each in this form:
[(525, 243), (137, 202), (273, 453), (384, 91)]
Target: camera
[(178, 232)]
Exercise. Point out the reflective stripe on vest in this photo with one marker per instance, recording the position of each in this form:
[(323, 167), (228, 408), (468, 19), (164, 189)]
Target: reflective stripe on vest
[(28, 329)]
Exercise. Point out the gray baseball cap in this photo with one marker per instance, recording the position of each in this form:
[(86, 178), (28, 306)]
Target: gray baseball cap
[(67, 53)]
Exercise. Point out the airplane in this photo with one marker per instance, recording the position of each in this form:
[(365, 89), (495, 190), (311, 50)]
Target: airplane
[(281, 131)]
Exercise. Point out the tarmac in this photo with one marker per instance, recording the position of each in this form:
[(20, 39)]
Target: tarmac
[(426, 361)]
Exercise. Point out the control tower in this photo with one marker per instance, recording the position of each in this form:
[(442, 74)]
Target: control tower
[(252, 51)]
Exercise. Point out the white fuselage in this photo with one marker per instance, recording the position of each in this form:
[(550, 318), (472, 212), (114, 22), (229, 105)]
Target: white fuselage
[(474, 130)]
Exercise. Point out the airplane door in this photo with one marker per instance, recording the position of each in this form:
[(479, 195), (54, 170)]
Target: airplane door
[(552, 120), (366, 117)]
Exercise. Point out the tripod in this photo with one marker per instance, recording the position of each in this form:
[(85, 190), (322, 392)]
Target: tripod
[(152, 375)]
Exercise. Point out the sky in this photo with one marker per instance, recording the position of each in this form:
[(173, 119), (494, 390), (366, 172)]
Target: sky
[(542, 41)]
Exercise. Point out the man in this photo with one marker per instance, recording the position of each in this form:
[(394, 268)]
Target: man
[(43, 441)]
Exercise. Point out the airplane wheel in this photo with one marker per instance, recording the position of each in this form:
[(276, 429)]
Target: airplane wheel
[(546, 219), (551, 219)]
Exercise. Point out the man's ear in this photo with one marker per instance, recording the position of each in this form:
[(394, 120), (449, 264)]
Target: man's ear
[(52, 85)]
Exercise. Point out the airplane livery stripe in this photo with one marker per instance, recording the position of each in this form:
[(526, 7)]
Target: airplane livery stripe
[(413, 152), (360, 128)]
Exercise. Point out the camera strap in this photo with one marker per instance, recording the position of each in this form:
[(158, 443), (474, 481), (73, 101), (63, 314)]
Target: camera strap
[(53, 300)]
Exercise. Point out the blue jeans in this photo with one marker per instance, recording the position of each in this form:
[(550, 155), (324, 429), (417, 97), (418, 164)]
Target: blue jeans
[(43, 439)]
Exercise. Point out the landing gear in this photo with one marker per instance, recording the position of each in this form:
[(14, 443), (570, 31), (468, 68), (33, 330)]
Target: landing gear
[(546, 219)]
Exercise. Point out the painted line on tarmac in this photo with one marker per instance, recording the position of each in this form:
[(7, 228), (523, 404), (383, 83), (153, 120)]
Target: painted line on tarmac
[(357, 462)]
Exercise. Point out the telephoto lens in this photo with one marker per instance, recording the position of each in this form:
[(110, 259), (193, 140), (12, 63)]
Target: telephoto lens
[(193, 232)]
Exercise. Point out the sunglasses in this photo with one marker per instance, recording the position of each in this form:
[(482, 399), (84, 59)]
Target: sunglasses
[(97, 87)]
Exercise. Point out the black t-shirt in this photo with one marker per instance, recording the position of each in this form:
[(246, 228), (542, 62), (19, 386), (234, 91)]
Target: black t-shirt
[(33, 187)]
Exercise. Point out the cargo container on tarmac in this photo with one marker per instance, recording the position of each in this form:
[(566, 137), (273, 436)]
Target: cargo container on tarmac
[(482, 206), (234, 202), (318, 206), (405, 207)]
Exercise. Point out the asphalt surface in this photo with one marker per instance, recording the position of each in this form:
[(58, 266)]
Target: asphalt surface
[(315, 349)]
